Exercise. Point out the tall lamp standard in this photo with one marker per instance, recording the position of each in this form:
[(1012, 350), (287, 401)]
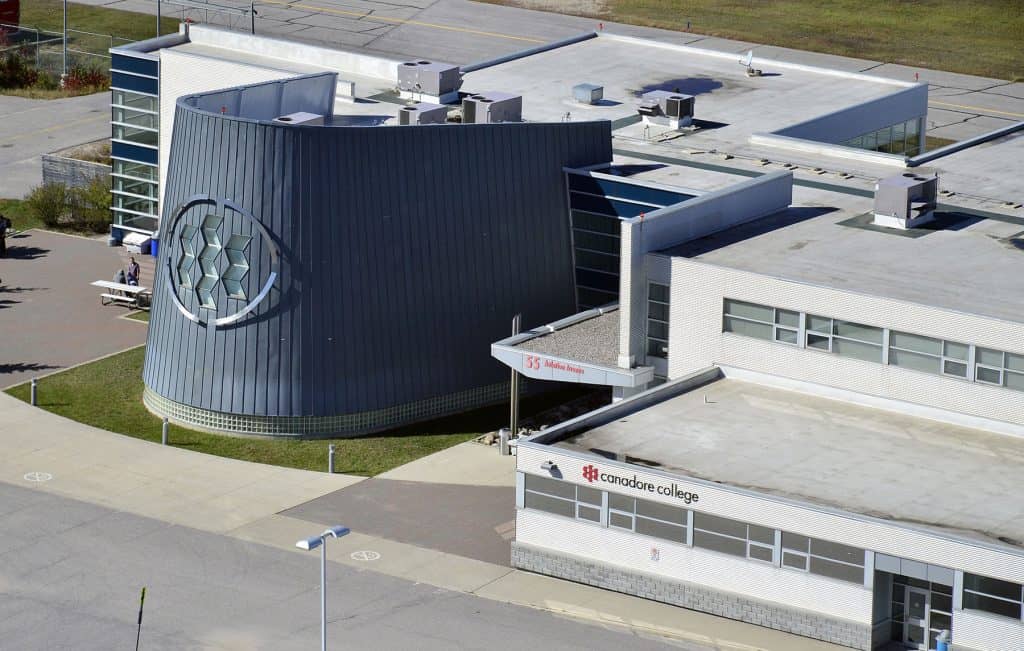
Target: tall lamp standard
[(321, 542)]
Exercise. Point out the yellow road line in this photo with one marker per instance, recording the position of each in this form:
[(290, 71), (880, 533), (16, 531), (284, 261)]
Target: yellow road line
[(978, 109), (398, 21)]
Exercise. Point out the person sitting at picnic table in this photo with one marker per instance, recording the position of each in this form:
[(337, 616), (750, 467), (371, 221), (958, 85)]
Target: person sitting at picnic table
[(133, 272), (119, 279)]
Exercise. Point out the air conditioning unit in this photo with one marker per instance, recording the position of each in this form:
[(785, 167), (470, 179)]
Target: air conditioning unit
[(906, 200), (429, 79), (309, 119), (492, 107), (423, 113), (666, 108)]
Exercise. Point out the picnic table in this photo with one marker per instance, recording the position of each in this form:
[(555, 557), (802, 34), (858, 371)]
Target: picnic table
[(120, 293)]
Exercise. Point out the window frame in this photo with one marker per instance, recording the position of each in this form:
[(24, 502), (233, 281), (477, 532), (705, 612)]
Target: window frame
[(647, 323), (774, 324), (1019, 602)]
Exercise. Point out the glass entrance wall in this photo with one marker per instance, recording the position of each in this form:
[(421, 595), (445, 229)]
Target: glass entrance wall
[(135, 137), (939, 615), (903, 139)]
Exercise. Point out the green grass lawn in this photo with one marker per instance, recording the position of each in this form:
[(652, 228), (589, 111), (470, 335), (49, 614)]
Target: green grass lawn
[(142, 315), (108, 394), (979, 37), (128, 26), (17, 211)]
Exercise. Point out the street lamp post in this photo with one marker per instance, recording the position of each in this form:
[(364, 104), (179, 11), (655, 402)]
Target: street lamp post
[(321, 542)]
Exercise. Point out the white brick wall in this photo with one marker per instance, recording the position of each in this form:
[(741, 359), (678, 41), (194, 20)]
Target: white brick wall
[(697, 341), (719, 571), (977, 630)]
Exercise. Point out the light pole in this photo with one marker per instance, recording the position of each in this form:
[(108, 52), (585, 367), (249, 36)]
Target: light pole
[(321, 542)]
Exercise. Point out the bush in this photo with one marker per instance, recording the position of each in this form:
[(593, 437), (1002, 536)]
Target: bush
[(15, 71), (90, 205), (49, 203), (81, 78)]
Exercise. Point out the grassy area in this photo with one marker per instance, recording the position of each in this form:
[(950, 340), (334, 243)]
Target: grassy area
[(140, 316), (127, 26), (981, 37), (108, 393), (50, 93), (17, 211)]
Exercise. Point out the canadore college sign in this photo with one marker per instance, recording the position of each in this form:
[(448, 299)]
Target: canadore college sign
[(591, 473)]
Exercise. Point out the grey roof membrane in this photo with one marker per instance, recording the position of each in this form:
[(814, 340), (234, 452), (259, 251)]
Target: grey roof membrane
[(595, 341), (832, 453)]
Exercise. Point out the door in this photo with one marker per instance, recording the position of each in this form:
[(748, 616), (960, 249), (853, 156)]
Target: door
[(915, 618)]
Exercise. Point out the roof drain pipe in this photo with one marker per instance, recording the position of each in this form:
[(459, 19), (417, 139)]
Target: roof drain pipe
[(525, 53)]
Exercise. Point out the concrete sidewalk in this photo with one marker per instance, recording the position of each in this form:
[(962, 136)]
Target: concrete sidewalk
[(243, 500)]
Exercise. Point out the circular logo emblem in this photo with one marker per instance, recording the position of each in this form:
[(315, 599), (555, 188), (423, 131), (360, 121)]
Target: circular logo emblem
[(211, 244)]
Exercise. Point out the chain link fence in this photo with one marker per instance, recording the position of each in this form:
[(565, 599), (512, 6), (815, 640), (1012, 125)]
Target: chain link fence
[(45, 49)]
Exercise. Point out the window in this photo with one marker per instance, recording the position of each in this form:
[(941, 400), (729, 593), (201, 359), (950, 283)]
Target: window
[(992, 596), (142, 171), (822, 557), (999, 368), (562, 498), (135, 135), (648, 518), (927, 354), (657, 320), (761, 321), (132, 100), (733, 537), (844, 338)]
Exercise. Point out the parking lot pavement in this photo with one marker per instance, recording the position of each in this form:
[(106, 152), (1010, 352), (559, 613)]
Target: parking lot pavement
[(475, 522), (30, 128), (51, 316), (71, 573)]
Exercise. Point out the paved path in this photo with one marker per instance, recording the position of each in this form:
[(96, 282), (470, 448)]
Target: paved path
[(133, 491), (71, 572), (49, 315), (30, 128)]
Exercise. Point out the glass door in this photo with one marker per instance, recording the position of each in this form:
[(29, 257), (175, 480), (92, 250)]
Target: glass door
[(915, 618)]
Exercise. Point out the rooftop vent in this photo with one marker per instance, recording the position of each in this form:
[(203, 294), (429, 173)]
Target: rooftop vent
[(905, 201), (491, 107), (310, 119)]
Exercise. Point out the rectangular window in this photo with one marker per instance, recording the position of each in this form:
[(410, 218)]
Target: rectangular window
[(132, 100), (733, 537), (142, 171), (657, 320), (844, 338), (135, 135), (994, 596), (134, 186), (761, 321), (823, 557), (562, 498), (134, 118)]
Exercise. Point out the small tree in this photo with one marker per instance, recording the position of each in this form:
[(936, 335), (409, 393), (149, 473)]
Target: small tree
[(91, 204), (49, 203)]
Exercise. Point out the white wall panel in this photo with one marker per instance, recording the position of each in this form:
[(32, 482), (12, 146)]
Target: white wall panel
[(696, 339), (778, 513), (976, 630), (719, 571)]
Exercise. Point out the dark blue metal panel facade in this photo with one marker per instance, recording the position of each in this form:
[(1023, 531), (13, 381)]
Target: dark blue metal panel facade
[(404, 252)]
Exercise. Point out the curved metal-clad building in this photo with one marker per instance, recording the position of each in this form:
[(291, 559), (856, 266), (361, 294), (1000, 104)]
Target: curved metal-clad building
[(338, 279)]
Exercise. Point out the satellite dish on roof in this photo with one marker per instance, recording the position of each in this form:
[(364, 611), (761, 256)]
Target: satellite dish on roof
[(747, 59)]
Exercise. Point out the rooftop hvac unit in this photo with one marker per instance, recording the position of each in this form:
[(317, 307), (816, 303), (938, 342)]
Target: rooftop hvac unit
[(670, 105), (905, 200), (492, 107), (310, 119), (429, 78), (423, 113)]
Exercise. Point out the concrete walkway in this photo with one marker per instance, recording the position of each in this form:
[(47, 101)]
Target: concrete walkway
[(244, 501)]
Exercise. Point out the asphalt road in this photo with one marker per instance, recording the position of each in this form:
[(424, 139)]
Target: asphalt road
[(29, 128), (71, 572)]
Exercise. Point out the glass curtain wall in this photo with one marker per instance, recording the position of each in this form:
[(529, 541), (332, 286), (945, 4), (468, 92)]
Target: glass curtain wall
[(135, 138)]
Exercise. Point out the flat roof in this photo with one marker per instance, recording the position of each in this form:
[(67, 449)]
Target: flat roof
[(887, 465), (594, 340), (974, 264)]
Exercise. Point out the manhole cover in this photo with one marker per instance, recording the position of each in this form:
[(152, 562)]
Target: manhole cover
[(364, 556), (38, 476)]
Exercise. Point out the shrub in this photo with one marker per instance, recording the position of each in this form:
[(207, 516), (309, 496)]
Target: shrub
[(81, 78), (49, 203), (15, 71), (90, 205)]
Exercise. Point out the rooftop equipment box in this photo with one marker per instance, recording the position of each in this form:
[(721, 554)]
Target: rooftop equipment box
[(588, 93), (492, 106), (670, 105), (423, 113), (905, 200), (429, 78)]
